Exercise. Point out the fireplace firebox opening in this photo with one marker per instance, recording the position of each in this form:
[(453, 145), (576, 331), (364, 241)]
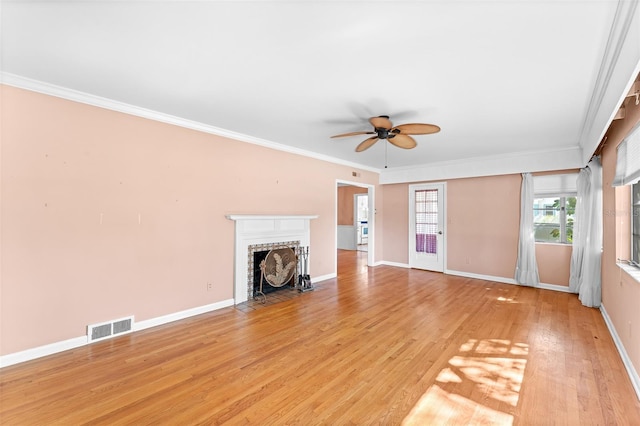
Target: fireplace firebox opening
[(256, 254)]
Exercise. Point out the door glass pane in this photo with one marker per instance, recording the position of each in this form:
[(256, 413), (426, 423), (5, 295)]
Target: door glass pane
[(426, 221)]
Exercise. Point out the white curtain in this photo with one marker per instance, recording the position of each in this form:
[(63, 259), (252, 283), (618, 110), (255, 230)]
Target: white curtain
[(526, 267), (585, 277)]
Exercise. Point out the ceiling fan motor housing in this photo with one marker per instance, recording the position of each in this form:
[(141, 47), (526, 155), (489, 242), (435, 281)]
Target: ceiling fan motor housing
[(382, 133)]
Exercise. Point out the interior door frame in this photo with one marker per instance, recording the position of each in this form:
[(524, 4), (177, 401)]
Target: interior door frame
[(371, 189), (430, 185)]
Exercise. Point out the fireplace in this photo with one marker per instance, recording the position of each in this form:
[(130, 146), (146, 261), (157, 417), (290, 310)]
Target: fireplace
[(265, 231), (258, 253)]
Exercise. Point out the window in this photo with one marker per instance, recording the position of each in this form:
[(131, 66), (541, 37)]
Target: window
[(635, 224), (628, 174), (553, 218)]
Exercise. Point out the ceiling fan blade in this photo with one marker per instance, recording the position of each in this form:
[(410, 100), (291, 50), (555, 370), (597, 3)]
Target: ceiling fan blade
[(367, 143), (402, 141), (353, 134), (416, 129), (381, 122)]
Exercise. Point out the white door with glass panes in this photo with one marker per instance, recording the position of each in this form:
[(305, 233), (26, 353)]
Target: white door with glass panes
[(426, 226)]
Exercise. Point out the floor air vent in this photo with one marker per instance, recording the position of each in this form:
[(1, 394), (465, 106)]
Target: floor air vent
[(108, 329)]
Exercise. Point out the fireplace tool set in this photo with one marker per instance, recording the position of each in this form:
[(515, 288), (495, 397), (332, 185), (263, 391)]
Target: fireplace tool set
[(304, 280)]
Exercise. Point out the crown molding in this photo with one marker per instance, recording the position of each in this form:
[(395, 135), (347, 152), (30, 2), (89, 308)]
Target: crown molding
[(618, 69), (110, 104), (531, 161)]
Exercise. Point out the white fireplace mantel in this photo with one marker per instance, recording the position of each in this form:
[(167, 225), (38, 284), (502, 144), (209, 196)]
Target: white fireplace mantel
[(263, 229), (269, 217)]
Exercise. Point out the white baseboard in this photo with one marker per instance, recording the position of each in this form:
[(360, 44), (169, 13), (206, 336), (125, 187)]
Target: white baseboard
[(323, 277), (502, 280), (65, 345), (628, 365), (554, 287), (40, 351), (154, 322), (396, 264)]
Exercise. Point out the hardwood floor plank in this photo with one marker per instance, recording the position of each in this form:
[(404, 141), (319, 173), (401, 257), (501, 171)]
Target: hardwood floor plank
[(380, 345)]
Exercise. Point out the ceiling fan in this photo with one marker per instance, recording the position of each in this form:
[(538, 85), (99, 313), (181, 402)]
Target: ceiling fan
[(397, 135)]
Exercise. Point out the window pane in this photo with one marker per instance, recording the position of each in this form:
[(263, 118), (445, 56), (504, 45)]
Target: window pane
[(571, 211), (553, 219), (546, 220), (426, 220)]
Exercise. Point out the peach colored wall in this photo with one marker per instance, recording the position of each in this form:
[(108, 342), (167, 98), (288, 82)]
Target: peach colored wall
[(345, 203), (483, 220), (395, 233), (620, 292), (106, 214), (554, 261)]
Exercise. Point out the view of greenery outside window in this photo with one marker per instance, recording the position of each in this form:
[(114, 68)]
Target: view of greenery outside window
[(553, 219)]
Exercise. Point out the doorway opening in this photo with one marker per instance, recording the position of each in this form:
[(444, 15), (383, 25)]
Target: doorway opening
[(355, 217)]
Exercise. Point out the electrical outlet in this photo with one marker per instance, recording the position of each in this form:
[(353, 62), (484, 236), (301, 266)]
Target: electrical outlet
[(209, 286)]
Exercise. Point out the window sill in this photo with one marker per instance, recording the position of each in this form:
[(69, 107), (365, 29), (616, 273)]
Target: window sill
[(554, 244), (632, 271)]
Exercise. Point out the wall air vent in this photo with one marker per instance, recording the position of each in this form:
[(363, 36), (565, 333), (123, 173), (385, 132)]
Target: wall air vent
[(105, 330)]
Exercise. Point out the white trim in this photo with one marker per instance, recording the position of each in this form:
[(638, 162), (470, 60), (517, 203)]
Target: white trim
[(632, 271), (502, 280), (176, 316), (396, 264), (324, 277), (512, 163), (268, 217), (628, 365), (40, 351), (76, 342), (110, 104), (618, 69), (554, 287)]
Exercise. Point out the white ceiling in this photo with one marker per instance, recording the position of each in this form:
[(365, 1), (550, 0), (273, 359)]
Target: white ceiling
[(501, 78)]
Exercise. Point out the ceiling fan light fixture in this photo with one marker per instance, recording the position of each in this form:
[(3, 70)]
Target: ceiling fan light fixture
[(398, 135)]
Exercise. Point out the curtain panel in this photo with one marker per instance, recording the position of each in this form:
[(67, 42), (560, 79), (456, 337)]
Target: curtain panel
[(526, 266), (585, 270)]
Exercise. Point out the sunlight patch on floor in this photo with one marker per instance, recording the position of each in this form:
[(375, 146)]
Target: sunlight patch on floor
[(440, 407), (489, 371)]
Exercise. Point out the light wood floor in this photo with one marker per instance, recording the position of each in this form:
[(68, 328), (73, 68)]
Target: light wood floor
[(380, 345)]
